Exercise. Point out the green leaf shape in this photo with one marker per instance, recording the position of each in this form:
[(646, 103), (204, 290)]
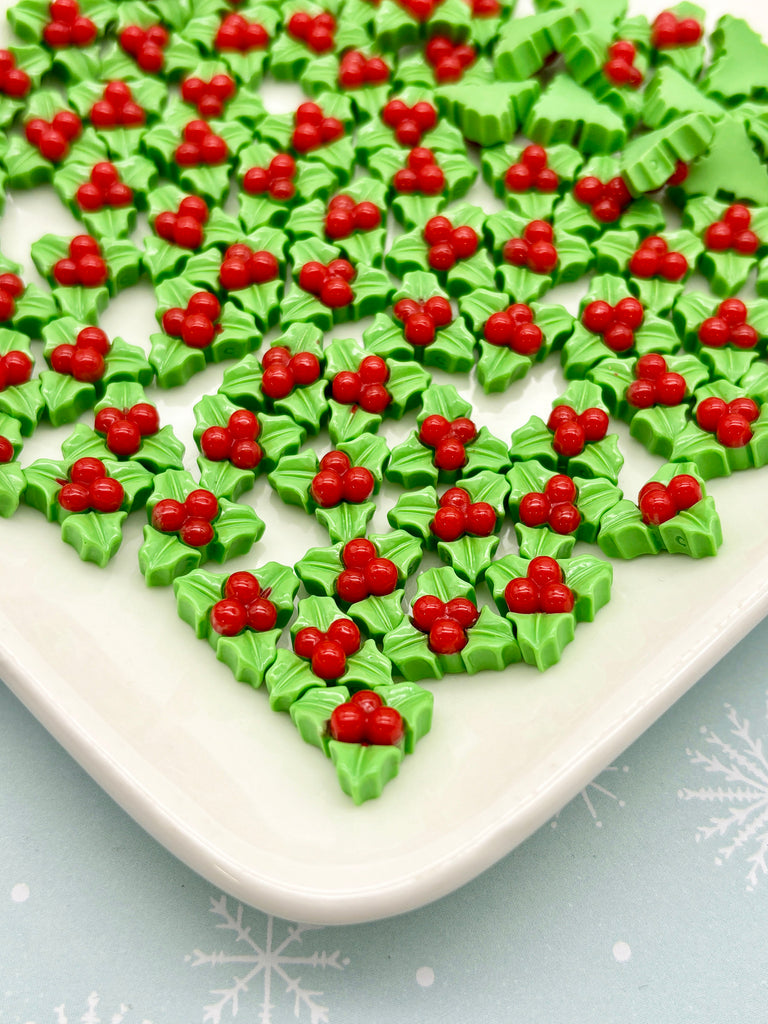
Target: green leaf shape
[(34, 309), (319, 568), (739, 62), (649, 160), (364, 771), (696, 532), (524, 44), (65, 398), (410, 655), (727, 272), (287, 679), (24, 402), (469, 556), (367, 669), (174, 362), (542, 638), (349, 421), (225, 479), (623, 534), (443, 400), (486, 452), (444, 583), (370, 451), (163, 557), (249, 655), (410, 464), (378, 616), (709, 174), (414, 511), (292, 478), (491, 644), (346, 521), (311, 714), (567, 112), (488, 113), (468, 274), (307, 406), (236, 530), (656, 428), (415, 704), (385, 338), (12, 486), (95, 536), (196, 593), (540, 540)]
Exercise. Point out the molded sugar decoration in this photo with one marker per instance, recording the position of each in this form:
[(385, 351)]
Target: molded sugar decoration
[(52, 134), (567, 112), (446, 632), (23, 307), (241, 615), (422, 181), (423, 327), (12, 479), (650, 161), (545, 599), (446, 445), (20, 396), (189, 525), (241, 39), (574, 440), (399, 23), (486, 111), (366, 388), (407, 120), (612, 62), (729, 432), (236, 444), (21, 68), (727, 336), (354, 219), (105, 195), (316, 131), (197, 329), (210, 92), (525, 44), (734, 238), (739, 61), (672, 513), (360, 74), (119, 111), (70, 29), (273, 183), (338, 487), (601, 197), (440, 61), (366, 576), (676, 38), (530, 179), (311, 30), (146, 39), (531, 257), (512, 335), (656, 266), (179, 223)]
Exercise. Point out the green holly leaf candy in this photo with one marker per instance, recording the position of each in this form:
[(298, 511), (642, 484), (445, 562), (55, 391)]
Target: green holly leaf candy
[(737, 71), (24, 402), (524, 44), (95, 536), (312, 180), (35, 61), (394, 26), (565, 161), (363, 771), (311, 714), (414, 511), (567, 112), (375, 136), (12, 485), (410, 654), (415, 704), (487, 112)]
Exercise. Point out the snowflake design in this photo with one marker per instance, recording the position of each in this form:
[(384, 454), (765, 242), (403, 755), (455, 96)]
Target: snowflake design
[(743, 768), (270, 960), (91, 1015), (589, 792)]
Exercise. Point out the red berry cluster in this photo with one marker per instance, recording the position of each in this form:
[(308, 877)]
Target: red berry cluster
[(337, 480), (659, 502), (344, 216), (514, 328), (449, 439), (541, 590), (244, 606), (117, 108), (327, 652), (243, 266), (90, 488), (729, 325), (83, 266), (201, 145), (365, 719), (11, 287), (145, 45), (409, 123), (330, 283), (458, 515), (421, 174), (535, 250), (184, 227), (617, 324), (445, 622), (15, 369), (68, 27), (124, 428), (607, 201), (238, 34), (85, 359), (421, 10), (531, 172), (356, 70), (364, 387), (554, 506), (277, 179), (668, 30), (730, 422), (235, 442), (6, 450), (620, 67), (572, 430), (365, 574), (313, 129), (654, 384), (196, 325), (103, 188), (14, 82), (283, 372), (485, 8), (316, 33), (53, 137), (733, 232), (208, 97), (449, 59), (421, 320), (654, 259), (192, 519), (448, 244)]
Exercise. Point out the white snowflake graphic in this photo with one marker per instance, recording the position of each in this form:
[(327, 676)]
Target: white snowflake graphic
[(91, 1015), (273, 961), (589, 793), (743, 794)]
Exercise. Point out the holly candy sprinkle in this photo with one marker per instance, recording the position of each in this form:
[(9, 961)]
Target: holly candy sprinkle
[(458, 516), (422, 320), (449, 440), (52, 138), (11, 287), (184, 227), (237, 34), (535, 250), (655, 259), (409, 123), (282, 372), (365, 719), (448, 244), (616, 324), (327, 652), (276, 180), (445, 622), (124, 429), (313, 129), (90, 488), (338, 480), (15, 369), (245, 605), (620, 67), (654, 384), (572, 431), (196, 325), (330, 283), (209, 97), (344, 216), (117, 108), (660, 502), (84, 361), (103, 188), (14, 82), (201, 146), (364, 387), (542, 589), (730, 422), (84, 266), (606, 201), (236, 442), (514, 328), (448, 59), (190, 519), (357, 71), (421, 174), (243, 266), (733, 232), (68, 27), (729, 325), (531, 172), (6, 450), (145, 45), (554, 507), (315, 32), (365, 574), (669, 31)]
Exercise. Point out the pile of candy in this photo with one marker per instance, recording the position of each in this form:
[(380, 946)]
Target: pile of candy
[(588, 124)]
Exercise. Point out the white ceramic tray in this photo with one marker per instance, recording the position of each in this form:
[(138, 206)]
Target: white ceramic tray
[(229, 787)]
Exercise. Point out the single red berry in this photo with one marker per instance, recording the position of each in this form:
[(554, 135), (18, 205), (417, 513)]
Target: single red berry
[(242, 586), (106, 494), (426, 611), (123, 438), (568, 440), (345, 633), (448, 523), (674, 266), (357, 553), (597, 316), (542, 570), (746, 242), (564, 518), (588, 190), (464, 429), (419, 329), (718, 237), (431, 180), (168, 515), (746, 407), (358, 484), (456, 497), (305, 368), (685, 491), (522, 596), (481, 519), (645, 263), (733, 312), (450, 454), (336, 292), (87, 365), (464, 241), (245, 454), (714, 332), (437, 229), (374, 398), (630, 312), (351, 586), (228, 617), (215, 443), (74, 497), (381, 576), (669, 388), (709, 412), (447, 637), (641, 393), (197, 331), (560, 488), (16, 368), (556, 598), (534, 509), (327, 488), (542, 257), (348, 723), (561, 414), (594, 423), (306, 640), (196, 532), (433, 430), (384, 727), (202, 503), (345, 387), (657, 506), (606, 210), (337, 461), (145, 417), (619, 338)]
